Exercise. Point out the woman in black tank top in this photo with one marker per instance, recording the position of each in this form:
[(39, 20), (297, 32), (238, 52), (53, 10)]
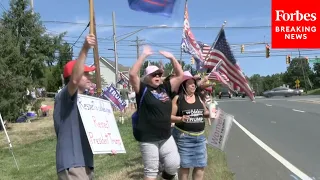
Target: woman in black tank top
[(188, 114)]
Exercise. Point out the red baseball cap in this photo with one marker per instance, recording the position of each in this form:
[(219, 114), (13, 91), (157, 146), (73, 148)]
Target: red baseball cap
[(67, 71)]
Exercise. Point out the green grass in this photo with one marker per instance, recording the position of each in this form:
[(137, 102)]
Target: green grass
[(314, 92), (34, 148)]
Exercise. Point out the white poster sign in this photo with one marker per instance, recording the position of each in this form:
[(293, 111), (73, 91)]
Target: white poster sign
[(220, 129), (100, 125)]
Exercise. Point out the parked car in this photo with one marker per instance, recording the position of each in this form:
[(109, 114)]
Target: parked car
[(281, 91), (225, 92), (243, 94)]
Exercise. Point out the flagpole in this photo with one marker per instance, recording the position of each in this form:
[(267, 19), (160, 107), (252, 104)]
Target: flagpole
[(185, 7), (215, 41), (9, 142)]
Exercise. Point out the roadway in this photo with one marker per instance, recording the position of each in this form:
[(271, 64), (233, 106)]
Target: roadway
[(289, 126)]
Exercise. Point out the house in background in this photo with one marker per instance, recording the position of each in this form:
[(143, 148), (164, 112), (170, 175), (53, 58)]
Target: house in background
[(107, 71)]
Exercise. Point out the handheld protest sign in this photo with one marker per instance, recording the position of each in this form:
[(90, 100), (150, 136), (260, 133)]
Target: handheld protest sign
[(100, 125)]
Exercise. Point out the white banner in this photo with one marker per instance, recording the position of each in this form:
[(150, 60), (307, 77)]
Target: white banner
[(100, 125), (220, 129)]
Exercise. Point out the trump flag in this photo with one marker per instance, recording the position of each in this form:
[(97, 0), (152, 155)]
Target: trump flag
[(161, 7)]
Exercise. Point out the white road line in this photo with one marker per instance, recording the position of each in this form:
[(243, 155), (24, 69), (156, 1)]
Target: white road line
[(297, 110), (274, 154), (268, 105)]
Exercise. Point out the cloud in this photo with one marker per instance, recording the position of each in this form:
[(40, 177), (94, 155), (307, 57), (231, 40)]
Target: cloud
[(240, 21), (153, 34), (77, 27), (244, 21)]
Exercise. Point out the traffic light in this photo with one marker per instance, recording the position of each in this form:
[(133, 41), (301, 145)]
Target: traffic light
[(192, 60), (267, 51), (242, 48), (307, 59), (288, 59)]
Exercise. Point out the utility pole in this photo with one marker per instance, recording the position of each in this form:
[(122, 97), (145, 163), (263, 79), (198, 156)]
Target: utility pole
[(138, 47), (115, 48), (303, 73), (32, 7), (138, 44)]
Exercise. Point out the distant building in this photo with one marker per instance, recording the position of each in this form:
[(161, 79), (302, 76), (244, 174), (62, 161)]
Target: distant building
[(107, 71)]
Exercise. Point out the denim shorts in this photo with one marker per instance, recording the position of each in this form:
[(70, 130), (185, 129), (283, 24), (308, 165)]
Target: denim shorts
[(192, 149)]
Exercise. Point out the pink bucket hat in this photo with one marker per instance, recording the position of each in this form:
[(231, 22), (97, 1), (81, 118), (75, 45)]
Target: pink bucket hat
[(149, 70), (187, 75)]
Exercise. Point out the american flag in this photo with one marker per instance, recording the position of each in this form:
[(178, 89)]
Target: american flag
[(123, 79), (229, 67), (217, 76)]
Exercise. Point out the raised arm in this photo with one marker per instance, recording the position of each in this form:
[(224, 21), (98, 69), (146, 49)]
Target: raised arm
[(78, 68), (134, 71), (177, 79)]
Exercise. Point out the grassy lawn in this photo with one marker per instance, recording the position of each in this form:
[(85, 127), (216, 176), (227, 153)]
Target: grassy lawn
[(34, 148), (314, 92)]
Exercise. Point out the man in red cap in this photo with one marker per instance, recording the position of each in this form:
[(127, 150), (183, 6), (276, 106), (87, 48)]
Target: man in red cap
[(74, 158)]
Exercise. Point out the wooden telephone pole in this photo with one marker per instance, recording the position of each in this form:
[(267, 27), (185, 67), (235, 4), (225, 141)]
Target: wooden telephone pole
[(95, 49)]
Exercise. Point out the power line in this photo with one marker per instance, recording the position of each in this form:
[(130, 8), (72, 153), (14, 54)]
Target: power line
[(168, 27), (80, 36)]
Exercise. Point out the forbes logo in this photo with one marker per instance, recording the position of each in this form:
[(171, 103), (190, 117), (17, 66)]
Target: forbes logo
[(281, 15)]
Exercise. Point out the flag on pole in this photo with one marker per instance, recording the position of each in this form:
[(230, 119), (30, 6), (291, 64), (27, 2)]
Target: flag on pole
[(219, 77), (123, 80), (229, 66), (189, 44), (160, 7)]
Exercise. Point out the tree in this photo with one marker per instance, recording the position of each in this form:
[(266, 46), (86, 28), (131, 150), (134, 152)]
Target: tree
[(316, 76), (63, 54), (298, 69), (25, 53), (13, 83)]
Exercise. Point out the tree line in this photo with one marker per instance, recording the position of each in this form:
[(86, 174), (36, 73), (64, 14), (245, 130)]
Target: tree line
[(29, 58), (32, 58), (299, 69)]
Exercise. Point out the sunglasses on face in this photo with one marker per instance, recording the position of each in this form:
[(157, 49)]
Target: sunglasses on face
[(156, 74)]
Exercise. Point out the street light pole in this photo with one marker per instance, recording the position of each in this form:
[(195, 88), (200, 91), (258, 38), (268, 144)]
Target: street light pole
[(115, 41)]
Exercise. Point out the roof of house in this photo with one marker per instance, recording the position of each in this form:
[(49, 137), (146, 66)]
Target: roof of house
[(112, 64), (121, 68)]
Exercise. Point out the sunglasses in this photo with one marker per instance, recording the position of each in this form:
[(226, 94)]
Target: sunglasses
[(156, 74)]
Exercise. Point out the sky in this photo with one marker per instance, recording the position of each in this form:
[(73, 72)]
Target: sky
[(248, 23)]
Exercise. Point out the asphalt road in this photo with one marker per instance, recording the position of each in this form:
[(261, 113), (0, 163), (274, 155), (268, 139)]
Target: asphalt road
[(289, 126)]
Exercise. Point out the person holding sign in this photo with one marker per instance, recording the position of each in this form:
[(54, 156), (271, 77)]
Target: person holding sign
[(188, 114), (74, 157), (151, 123)]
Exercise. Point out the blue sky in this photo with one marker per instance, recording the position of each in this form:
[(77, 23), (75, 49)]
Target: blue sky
[(208, 13)]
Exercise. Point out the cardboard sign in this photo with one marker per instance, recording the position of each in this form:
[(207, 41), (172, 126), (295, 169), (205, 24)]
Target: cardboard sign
[(220, 129), (100, 125)]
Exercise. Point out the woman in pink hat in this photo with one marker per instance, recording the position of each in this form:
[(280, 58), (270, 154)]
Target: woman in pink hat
[(152, 121), (188, 114)]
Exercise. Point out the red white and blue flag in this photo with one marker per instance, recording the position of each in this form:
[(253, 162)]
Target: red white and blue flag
[(229, 66), (161, 7), (189, 44)]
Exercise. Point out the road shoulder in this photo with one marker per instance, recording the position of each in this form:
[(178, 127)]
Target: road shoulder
[(249, 161)]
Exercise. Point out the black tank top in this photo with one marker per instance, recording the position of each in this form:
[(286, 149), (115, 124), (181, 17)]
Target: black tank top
[(195, 112)]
